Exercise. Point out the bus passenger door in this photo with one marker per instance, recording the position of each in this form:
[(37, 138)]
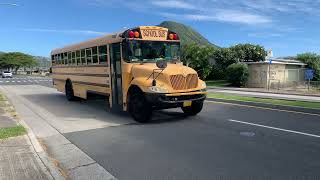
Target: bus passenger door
[(116, 78)]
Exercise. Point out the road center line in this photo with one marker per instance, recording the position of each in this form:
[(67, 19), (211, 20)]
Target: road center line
[(274, 128)]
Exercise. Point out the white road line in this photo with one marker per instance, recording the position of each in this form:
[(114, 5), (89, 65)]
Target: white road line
[(264, 108), (18, 81), (7, 81), (275, 128), (13, 81)]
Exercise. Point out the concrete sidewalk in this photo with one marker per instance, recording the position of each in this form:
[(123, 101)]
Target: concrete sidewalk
[(18, 159), (266, 95)]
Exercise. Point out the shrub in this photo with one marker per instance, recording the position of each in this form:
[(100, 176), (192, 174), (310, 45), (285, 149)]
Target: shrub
[(313, 62), (237, 74)]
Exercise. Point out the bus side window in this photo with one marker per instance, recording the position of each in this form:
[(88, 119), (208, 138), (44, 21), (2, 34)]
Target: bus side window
[(78, 57), (95, 55), (103, 54), (56, 59), (53, 59), (69, 58), (74, 58), (83, 56), (59, 59), (89, 56), (65, 58)]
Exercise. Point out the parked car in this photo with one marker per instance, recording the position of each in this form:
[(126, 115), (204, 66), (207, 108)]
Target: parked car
[(6, 74)]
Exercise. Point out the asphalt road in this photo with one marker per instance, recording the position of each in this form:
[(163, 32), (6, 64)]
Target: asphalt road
[(225, 141)]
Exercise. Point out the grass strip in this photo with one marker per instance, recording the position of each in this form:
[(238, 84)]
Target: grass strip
[(12, 132), (304, 104), (1, 97), (218, 83)]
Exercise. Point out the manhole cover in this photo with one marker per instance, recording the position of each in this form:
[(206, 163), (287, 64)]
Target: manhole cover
[(247, 134)]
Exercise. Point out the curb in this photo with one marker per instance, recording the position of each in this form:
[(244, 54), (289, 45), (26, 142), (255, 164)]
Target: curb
[(272, 106), (58, 154), (246, 90), (39, 151), (45, 159)]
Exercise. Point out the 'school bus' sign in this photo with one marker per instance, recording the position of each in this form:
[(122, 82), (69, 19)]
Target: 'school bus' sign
[(154, 34)]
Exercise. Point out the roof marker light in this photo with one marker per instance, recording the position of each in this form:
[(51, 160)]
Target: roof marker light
[(171, 36), (136, 34), (131, 34)]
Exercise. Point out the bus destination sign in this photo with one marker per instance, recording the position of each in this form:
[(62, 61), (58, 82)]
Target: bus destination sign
[(154, 34)]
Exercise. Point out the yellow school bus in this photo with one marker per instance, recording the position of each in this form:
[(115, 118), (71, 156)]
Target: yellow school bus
[(138, 70)]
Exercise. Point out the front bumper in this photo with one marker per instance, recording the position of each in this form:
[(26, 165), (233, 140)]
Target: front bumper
[(165, 101)]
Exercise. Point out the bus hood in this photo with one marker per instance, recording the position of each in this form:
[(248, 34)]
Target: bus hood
[(146, 70)]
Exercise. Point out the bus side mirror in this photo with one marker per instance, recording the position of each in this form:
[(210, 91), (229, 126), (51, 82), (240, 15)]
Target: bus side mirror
[(161, 64)]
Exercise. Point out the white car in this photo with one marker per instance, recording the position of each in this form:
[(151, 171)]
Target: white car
[(6, 74)]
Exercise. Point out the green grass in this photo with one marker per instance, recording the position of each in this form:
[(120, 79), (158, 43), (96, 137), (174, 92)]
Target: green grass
[(12, 132), (218, 83), (1, 97), (303, 104)]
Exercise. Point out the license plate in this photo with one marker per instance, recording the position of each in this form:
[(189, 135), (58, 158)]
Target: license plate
[(187, 103)]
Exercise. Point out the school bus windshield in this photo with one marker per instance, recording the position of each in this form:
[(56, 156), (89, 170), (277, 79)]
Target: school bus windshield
[(149, 51)]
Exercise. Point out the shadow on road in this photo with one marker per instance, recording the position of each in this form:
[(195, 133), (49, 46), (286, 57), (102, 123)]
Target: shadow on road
[(95, 108)]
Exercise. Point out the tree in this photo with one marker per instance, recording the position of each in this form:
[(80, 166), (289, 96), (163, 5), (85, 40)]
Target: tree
[(198, 58), (313, 62), (223, 57), (238, 74), (16, 60), (249, 52)]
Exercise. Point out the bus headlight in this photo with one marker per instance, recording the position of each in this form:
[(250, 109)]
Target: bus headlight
[(203, 85), (156, 89)]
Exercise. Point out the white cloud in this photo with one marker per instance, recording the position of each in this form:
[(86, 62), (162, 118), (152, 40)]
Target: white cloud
[(9, 4), (87, 32), (173, 4), (248, 12), (265, 35), (224, 16)]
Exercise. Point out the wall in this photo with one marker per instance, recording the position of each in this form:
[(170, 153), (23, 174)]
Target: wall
[(280, 76)]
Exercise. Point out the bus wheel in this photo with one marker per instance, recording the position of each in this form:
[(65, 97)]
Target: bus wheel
[(139, 108), (69, 91), (194, 109)]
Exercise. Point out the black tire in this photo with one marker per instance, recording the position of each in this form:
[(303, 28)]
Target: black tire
[(194, 109), (139, 108), (69, 92)]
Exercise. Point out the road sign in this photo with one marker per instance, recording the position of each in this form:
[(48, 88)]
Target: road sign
[(270, 61), (309, 74)]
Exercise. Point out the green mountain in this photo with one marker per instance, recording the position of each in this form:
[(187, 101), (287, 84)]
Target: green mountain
[(187, 34)]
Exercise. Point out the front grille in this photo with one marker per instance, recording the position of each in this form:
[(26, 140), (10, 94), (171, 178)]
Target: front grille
[(179, 82)]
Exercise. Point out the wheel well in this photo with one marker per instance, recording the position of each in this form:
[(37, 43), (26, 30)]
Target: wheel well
[(133, 89)]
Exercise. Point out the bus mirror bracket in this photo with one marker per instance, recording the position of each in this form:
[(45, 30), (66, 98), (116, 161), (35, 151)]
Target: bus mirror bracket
[(161, 65)]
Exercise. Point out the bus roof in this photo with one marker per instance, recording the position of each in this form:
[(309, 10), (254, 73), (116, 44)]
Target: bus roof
[(144, 31)]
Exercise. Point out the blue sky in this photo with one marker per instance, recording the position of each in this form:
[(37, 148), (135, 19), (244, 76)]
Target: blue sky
[(36, 27)]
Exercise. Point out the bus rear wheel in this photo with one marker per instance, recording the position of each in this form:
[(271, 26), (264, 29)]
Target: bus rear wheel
[(69, 92), (194, 109), (139, 108)]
